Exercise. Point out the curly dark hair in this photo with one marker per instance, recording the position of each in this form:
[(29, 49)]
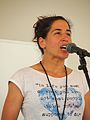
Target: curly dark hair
[(43, 26)]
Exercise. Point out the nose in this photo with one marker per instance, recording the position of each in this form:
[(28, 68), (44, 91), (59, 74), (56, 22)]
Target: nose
[(66, 38)]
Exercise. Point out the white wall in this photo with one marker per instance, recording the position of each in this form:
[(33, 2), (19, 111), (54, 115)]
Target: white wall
[(18, 16), (13, 56)]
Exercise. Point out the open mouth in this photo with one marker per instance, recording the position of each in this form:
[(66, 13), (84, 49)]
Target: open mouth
[(63, 47)]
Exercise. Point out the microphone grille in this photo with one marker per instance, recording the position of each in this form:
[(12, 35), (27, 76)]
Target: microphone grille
[(70, 47)]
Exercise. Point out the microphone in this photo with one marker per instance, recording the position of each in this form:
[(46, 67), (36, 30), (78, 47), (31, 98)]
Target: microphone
[(72, 48)]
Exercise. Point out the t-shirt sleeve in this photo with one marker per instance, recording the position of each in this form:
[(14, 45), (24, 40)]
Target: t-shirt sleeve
[(85, 84), (18, 80)]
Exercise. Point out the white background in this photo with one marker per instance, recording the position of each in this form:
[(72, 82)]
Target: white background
[(13, 56)]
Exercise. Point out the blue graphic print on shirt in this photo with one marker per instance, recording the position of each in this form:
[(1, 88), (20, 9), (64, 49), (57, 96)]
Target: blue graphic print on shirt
[(74, 101)]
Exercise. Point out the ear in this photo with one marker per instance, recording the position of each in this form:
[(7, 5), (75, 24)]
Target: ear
[(42, 42)]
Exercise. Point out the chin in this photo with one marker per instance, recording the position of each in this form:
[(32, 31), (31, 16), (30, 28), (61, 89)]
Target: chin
[(64, 57)]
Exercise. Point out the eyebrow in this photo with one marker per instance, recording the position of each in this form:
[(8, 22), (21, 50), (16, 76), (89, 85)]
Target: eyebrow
[(68, 30)]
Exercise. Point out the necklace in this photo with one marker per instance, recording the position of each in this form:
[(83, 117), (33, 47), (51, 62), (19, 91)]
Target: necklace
[(54, 92)]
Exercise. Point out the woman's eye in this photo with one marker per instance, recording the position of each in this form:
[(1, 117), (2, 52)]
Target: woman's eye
[(57, 33), (69, 34)]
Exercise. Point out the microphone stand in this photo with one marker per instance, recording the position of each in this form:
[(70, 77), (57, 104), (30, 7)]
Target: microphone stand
[(83, 67)]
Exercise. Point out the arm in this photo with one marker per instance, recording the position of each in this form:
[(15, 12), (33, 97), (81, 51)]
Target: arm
[(13, 103), (87, 107)]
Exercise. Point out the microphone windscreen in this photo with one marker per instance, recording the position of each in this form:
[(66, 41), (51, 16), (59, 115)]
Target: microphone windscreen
[(70, 47)]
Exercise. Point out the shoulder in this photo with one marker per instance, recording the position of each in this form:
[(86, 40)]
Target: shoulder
[(20, 76), (78, 73), (37, 67), (81, 79), (78, 76), (21, 72)]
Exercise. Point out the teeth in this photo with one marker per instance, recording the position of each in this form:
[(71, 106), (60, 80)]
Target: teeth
[(63, 47)]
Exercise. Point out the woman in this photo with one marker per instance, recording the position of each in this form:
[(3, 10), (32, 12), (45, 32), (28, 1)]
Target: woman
[(49, 90)]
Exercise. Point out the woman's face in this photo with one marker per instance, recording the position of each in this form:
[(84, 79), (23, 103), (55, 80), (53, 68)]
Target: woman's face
[(57, 39)]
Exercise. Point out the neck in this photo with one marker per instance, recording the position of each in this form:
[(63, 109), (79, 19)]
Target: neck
[(54, 72), (53, 65)]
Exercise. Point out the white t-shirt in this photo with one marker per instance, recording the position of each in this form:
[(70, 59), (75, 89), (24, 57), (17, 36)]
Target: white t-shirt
[(39, 102)]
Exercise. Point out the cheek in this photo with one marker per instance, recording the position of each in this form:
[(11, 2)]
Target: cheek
[(52, 45), (70, 39)]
